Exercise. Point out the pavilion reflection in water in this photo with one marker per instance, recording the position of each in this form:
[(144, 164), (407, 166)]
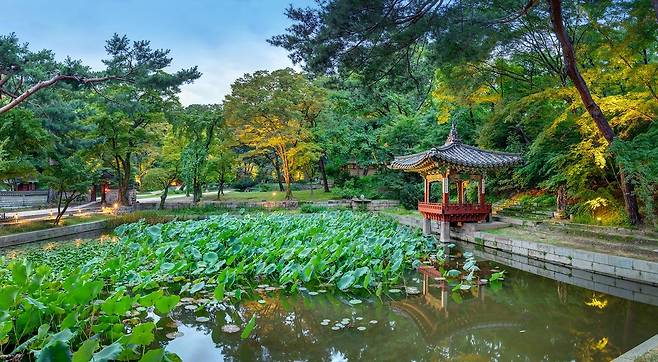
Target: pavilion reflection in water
[(439, 316)]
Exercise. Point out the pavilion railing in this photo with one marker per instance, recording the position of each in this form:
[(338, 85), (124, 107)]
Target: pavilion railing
[(462, 212)]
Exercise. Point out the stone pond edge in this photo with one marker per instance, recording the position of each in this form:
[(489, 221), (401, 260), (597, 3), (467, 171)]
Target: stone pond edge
[(45, 234), (626, 268)]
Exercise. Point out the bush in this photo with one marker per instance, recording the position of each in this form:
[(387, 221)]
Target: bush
[(410, 195), (267, 187), (154, 179), (598, 207), (244, 183), (150, 217)]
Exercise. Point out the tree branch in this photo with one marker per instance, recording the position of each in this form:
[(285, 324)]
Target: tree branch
[(50, 82), (510, 18)]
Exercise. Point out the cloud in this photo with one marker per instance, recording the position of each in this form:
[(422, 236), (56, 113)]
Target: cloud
[(222, 66), (224, 38)]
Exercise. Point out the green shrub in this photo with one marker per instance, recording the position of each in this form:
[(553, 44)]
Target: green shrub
[(244, 183), (410, 195), (598, 207), (266, 187)]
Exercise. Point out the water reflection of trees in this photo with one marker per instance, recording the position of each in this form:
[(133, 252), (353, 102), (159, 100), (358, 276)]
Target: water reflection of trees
[(529, 318)]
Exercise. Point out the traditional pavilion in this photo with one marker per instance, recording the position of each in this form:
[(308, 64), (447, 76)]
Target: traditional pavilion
[(454, 162)]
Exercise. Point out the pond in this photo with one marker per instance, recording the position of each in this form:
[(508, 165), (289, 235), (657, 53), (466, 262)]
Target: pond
[(528, 318)]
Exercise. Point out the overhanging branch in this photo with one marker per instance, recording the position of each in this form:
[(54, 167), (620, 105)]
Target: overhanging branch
[(50, 82)]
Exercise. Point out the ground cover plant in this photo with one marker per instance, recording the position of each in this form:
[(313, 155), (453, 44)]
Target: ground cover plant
[(99, 300)]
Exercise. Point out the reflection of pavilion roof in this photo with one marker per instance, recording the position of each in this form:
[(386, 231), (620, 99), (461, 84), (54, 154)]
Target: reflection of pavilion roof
[(457, 155), (466, 317)]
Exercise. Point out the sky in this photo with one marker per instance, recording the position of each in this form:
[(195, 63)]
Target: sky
[(225, 38)]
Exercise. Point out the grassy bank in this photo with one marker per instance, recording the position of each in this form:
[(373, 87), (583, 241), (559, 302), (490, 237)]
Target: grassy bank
[(150, 216)]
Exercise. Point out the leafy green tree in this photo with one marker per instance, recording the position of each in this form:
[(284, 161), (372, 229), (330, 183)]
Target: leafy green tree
[(472, 43), (273, 111), (168, 166), (132, 116), (222, 159), (26, 146), (70, 178), (199, 125), (23, 73)]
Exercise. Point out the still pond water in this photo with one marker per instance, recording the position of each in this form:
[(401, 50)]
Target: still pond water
[(529, 318)]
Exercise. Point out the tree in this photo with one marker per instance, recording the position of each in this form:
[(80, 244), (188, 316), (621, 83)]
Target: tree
[(221, 166), (168, 166), (555, 6), (26, 145), (222, 158), (24, 73), (134, 114), (273, 111), (198, 124), (70, 178)]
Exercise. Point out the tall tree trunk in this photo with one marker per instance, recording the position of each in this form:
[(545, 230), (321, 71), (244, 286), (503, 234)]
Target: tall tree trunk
[(196, 192), (163, 197), (62, 210), (630, 200), (124, 183), (323, 174), (277, 169), (561, 201), (286, 171), (220, 189), (59, 208)]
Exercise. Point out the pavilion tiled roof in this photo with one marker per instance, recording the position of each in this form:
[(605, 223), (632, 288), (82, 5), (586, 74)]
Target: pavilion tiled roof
[(455, 154)]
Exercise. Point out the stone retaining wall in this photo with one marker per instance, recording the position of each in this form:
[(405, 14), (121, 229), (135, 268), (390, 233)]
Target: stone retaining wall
[(378, 205), (28, 237), (623, 288), (374, 205), (605, 264), (21, 199), (112, 196), (639, 351), (570, 261)]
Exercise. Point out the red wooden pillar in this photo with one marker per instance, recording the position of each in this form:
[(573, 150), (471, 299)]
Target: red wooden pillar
[(460, 191), (427, 190)]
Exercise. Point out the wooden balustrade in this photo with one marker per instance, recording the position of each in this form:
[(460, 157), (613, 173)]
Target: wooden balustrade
[(454, 212)]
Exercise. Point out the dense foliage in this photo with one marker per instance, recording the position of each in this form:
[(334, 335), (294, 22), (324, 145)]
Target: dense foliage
[(506, 74), (569, 84)]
